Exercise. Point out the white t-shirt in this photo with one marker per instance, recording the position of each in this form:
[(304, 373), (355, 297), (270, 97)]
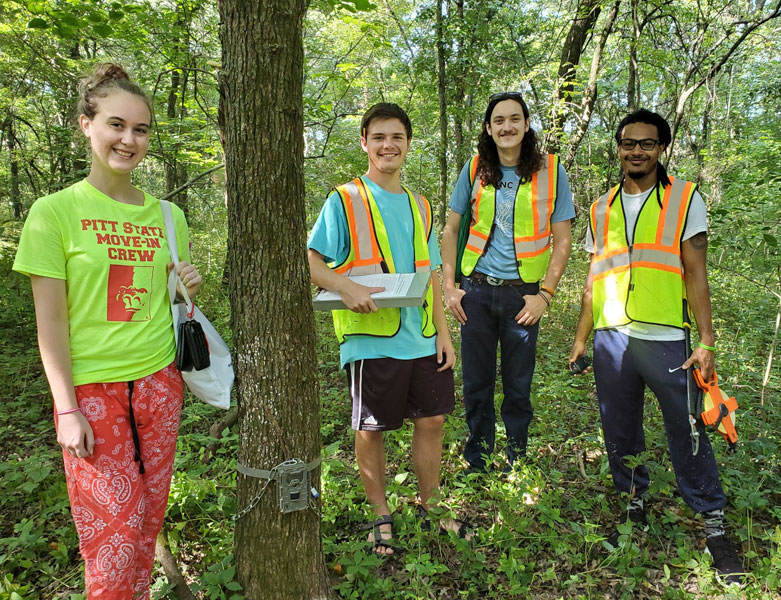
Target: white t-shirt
[(696, 222)]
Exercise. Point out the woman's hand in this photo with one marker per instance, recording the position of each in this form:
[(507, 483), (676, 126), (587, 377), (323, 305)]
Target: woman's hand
[(75, 435), (190, 277)]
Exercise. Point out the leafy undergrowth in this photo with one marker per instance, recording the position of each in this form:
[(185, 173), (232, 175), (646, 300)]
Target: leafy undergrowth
[(540, 531)]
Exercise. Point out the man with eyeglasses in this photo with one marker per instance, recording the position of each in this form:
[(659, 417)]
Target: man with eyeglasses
[(514, 199), (648, 238)]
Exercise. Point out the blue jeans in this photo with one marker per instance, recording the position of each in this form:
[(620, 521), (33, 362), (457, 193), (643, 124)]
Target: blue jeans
[(623, 366), (490, 318)]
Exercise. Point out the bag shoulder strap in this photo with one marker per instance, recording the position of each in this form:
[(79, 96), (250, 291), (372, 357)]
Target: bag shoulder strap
[(170, 230), (170, 235)]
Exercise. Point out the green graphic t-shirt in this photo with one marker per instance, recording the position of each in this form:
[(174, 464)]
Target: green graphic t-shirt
[(113, 258)]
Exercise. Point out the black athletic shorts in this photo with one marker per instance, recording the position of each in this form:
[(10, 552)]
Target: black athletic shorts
[(385, 391)]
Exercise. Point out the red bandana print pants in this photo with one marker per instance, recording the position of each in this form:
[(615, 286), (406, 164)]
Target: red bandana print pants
[(118, 511)]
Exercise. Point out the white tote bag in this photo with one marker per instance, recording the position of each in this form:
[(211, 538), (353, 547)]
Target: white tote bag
[(212, 384)]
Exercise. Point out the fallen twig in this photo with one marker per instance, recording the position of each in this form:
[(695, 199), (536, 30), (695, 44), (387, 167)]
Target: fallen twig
[(171, 567), (217, 428), (766, 378), (581, 464)]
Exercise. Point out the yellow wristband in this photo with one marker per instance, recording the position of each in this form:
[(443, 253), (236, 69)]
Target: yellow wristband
[(711, 348)]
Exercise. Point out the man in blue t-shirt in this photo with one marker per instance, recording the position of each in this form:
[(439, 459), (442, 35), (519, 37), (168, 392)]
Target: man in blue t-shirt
[(399, 362), (516, 200)]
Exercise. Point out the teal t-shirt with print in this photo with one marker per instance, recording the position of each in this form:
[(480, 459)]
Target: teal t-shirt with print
[(330, 237)]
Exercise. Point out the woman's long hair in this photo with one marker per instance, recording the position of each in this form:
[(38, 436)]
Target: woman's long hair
[(531, 159)]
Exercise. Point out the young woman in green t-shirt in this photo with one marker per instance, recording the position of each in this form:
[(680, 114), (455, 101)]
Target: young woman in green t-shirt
[(98, 261)]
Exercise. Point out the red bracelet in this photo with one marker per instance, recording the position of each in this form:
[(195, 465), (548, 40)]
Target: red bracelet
[(67, 412)]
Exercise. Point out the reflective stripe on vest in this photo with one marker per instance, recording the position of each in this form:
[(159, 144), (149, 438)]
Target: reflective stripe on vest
[(533, 206), (643, 282), (370, 253)]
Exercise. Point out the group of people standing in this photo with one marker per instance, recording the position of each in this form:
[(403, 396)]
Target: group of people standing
[(99, 263), (648, 241)]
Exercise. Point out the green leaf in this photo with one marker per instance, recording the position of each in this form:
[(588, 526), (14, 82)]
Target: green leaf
[(37, 23), (38, 475), (36, 8), (770, 240), (212, 578), (70, 19), (401, 477), (666, 572), (103, 29), (116, 15)]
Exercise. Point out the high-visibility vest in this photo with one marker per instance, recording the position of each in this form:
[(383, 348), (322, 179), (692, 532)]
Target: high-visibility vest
[(642, 282), (532, 209), (370, 254)]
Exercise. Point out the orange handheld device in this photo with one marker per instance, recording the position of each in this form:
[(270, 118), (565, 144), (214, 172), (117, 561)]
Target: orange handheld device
[(718, 409)]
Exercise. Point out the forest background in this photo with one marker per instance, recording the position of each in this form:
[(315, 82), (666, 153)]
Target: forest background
[(710, 66)]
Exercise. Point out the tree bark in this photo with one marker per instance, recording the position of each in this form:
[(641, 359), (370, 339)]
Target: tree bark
[(171, 567), (633, 78), (590, 93), (278, 556), (175, 171), (16, 203), (459, 95), (585, 17), (442, 93)]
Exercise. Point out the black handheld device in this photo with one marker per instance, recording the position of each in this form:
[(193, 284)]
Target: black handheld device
[(580, 364)]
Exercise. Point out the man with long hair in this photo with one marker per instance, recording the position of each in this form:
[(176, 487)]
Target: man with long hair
[(516, 200), (648, 239)]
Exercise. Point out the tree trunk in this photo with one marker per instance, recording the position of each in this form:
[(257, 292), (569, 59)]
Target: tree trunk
[(278, 556), (585, 17), (633, 77), (442, 93), (16, 203), (590, 93), (79, 166), (459, 94), (176, 171)]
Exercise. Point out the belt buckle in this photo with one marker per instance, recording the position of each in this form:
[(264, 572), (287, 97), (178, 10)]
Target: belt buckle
[(493, 280)]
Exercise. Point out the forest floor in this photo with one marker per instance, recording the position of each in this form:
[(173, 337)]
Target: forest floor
[(540, 532)]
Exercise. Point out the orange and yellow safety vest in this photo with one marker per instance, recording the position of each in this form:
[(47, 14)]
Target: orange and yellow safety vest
[(370, 254), (533, 206), (642, 282)]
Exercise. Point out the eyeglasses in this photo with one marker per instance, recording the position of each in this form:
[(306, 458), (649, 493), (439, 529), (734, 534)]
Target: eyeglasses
[(517, 96), (646, 144)]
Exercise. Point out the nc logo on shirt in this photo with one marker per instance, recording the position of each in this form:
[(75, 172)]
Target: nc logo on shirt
[(128, 294)]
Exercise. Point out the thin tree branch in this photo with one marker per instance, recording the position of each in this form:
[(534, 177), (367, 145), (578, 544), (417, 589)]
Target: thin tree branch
[(192, 181), (171, 567)]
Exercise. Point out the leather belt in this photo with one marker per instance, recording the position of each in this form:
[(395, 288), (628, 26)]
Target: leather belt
[(490, 280)]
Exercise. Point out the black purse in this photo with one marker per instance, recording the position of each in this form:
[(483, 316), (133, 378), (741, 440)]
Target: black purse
[(192, 351)]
